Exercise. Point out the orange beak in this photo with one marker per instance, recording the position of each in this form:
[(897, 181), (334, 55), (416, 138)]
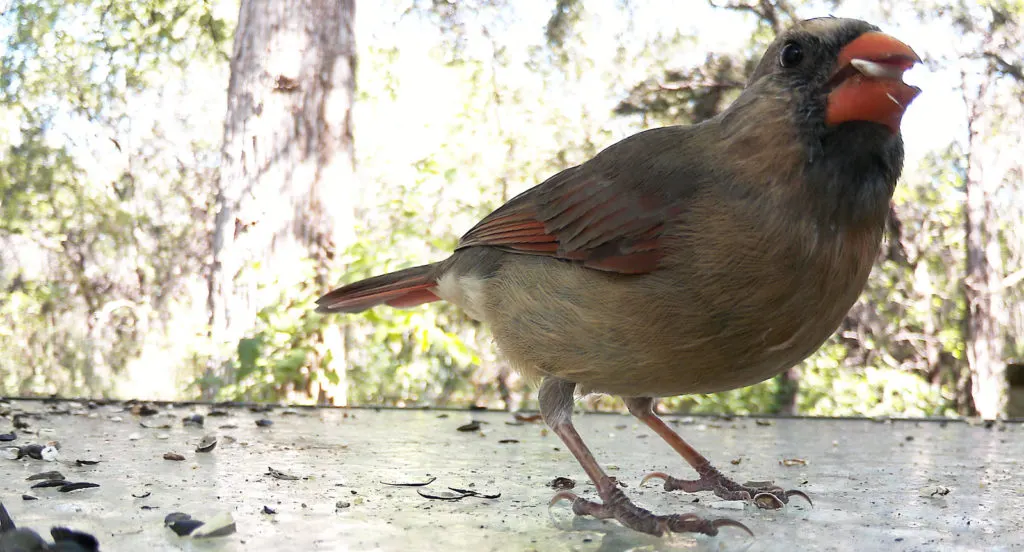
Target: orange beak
[(868, 82)]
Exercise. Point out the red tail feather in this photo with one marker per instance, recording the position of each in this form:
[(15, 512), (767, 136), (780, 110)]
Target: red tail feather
[(405, 288)]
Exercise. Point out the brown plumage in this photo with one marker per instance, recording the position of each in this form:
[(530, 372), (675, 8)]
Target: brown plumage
[(689, 259)]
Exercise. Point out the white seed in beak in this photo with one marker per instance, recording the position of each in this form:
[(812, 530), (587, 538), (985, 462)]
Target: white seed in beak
[(877, 70)]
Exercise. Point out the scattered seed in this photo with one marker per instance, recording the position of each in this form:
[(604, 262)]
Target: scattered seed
[(341, 504), (84, 541), (20, 421), (263, 422), (471, 492), (143, 495), (934, 491), (183, 527), (763, 422), (6, 523), (278, 474), (90, 462), (175, 517), (471, 426), (443, 495), (221, 525), (455, 494), (29, 497), (207, 443), (173, 456), (422, 484), (268, 510), (195, 420), (508, 441), (562, 483), (50, 483), (50, 453), (4, 437), (727, 504), (144, 410), (77, 486), (33, 451), (45, 475), (789, 462)]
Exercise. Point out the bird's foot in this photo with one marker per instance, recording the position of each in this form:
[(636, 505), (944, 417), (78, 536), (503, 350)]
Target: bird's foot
[(618, 506), (764, 494)]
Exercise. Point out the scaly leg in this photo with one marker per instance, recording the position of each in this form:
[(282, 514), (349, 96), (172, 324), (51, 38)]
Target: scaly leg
[(556, 401), (764, 496)]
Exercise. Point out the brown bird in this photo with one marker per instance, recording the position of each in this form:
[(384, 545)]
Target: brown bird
[(689, 259)]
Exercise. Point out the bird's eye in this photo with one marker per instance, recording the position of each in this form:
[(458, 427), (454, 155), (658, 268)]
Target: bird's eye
[(791, 56)]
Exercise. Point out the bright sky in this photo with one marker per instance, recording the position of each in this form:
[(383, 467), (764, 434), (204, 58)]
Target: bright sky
[(935, 119)]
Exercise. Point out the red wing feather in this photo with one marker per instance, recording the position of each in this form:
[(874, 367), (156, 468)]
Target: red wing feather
[(579, 217)]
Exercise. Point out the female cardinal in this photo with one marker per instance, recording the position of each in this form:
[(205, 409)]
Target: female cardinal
[(689, 259)]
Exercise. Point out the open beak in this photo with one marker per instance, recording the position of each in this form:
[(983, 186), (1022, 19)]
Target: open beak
[(867, 84)]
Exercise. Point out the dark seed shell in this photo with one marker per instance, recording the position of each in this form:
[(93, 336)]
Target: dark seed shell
[(175, 516), (77, 486), (85, 541), (50, 483), (45, 475), (207, 443), (185, 527)]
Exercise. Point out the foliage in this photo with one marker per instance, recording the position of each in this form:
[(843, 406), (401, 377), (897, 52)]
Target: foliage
[(104, 240), (103, 202)]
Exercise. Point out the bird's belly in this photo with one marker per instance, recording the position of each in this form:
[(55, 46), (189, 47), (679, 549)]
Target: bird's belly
[(609, 334)]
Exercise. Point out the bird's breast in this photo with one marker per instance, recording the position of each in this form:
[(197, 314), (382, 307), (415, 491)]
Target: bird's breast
[(765, 298)]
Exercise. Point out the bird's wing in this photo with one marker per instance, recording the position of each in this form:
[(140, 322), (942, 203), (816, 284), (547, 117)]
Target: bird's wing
[(606, 218)]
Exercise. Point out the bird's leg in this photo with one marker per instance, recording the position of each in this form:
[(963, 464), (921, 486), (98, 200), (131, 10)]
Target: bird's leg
[(556, 402), (764, 495)]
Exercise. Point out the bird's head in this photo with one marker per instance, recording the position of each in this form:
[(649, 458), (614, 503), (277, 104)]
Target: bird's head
[(838, 71), (834, 88)]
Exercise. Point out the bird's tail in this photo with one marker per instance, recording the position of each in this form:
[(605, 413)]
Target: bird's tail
[(405, 288)]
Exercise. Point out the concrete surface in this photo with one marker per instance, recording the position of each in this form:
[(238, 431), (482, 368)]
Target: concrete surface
[(865, 477)]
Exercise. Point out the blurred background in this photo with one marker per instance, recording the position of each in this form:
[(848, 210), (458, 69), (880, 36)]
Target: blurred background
[(179, 181)]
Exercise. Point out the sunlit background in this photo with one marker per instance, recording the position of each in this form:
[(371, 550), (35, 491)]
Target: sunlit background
[(112, 155)]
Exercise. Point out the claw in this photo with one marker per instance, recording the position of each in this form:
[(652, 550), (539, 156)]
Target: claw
[(726, 522), (801, 494), (655, 475), (765, 501), (563, 495)]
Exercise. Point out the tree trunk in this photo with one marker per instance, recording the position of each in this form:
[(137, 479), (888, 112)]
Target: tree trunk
[(287, 186), (986, 312)]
